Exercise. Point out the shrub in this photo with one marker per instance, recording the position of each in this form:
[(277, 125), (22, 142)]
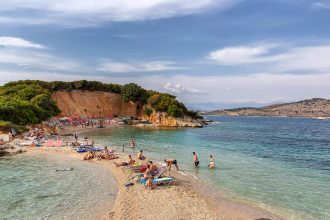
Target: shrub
[(148, 111)]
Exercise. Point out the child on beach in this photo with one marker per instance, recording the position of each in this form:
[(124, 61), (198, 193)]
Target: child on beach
[(170, 162), (195, 159), (212, 162), (149, 183)]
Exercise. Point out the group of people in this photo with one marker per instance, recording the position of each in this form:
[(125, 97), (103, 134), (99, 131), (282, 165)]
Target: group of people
[(196, 161)]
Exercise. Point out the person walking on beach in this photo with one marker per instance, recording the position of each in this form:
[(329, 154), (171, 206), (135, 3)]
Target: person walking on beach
[(171, 162), (195, 159), (212, 162), (76, 136)]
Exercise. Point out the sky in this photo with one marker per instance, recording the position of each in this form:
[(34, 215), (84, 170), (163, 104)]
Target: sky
[(209, 53)]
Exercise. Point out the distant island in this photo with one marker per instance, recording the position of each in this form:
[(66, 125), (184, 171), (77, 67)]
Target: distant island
[(311, 108)]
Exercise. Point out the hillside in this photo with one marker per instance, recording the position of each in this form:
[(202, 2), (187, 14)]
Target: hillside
[(32, 101), (315, 107)]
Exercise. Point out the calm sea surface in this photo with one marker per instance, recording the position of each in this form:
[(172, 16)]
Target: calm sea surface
[(281, 164), (31, 188)]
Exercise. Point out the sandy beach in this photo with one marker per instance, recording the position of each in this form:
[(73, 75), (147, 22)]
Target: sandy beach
[(186, 198)]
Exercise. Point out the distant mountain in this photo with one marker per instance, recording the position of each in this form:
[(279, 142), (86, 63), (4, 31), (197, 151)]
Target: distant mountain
[(211, 106), (315, 107)]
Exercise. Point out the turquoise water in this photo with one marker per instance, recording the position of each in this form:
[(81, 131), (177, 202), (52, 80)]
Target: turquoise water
[(281, 164), (31, 188)]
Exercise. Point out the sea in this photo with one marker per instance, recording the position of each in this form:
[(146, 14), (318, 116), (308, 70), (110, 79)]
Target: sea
[(47, 186), (278, 164)]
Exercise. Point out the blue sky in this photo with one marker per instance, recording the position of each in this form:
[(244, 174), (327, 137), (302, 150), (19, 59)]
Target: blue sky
[(221, 52)]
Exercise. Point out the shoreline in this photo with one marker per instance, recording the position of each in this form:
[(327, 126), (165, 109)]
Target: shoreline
[(187, 198)]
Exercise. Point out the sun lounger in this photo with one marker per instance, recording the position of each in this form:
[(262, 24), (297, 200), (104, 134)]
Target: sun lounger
[(85, 149), (159, 181)]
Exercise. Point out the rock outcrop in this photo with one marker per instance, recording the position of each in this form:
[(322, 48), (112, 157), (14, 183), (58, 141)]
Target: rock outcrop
[(162, 119)]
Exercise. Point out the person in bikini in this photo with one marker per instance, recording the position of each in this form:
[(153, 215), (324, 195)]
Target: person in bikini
[(171, 162), (212, 162)]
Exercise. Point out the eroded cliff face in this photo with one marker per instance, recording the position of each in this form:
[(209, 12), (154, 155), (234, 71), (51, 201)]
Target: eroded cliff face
[(86, 103)]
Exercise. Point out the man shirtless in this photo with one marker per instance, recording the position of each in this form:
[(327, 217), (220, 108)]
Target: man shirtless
[(171, 162)]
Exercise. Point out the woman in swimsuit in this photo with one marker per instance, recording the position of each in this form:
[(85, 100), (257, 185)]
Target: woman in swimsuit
[(212, 162)]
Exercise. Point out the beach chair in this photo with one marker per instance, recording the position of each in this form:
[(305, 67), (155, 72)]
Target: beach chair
[(58, 143), (50, 143), (159, 181)]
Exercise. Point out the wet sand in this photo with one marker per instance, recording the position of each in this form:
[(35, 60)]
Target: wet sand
[(186, 198)]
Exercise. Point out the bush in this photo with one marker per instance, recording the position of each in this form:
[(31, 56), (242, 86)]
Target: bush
[(6, 126), (148, 111), (134, 92)]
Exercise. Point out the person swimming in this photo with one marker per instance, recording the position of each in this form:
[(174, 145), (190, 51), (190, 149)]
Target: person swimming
[(171, 162), (195, 159), (212, 162)]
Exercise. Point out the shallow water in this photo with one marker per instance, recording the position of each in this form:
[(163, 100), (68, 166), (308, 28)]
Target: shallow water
[(281, 164), (31, 188)]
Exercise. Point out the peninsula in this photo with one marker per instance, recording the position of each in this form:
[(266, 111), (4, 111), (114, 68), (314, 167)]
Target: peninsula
[(311, 108)]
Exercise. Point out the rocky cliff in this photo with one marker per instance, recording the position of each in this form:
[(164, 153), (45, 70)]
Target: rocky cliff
[(315, 107), (86, 103), (162, 119)]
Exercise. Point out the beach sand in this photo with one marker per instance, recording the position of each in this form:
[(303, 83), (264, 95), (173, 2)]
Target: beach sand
[(186, 198)]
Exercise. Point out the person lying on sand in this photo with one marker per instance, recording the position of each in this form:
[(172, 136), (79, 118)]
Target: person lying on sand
[(212, 162), (171, 162), (90, 155), (129, 162), (140, 156)]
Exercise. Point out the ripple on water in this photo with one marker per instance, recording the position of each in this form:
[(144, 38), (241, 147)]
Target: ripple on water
[(32, 188)]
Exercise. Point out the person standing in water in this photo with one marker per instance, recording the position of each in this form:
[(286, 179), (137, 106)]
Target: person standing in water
[(195, 159), (132, 143), (212, 162)]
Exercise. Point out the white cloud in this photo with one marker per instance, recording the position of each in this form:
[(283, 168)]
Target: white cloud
[(242, 54), (89, 12), (137, 66), (179, 89), (18, 42), (27, 54), (36, 59), (312, 58), (321, 5)]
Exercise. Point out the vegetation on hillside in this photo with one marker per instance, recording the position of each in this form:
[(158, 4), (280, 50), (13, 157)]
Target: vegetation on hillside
[(24, 104), (29, 101)]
